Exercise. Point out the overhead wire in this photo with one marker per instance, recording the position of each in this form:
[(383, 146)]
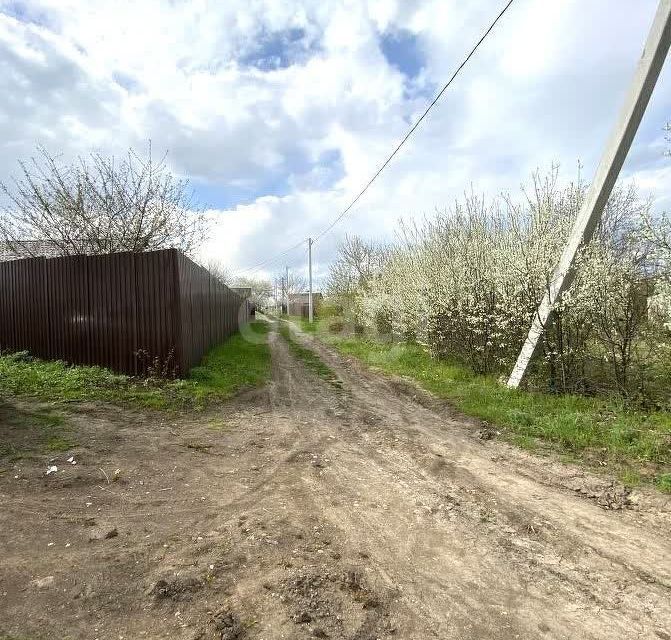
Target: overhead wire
[(398, 147), (413, 128)]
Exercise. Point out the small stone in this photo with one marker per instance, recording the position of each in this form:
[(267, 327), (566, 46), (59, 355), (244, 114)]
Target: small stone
[(303, 617), (42, 583), (103, 533)]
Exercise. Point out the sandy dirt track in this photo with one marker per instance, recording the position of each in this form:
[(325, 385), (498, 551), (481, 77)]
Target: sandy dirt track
[(359, 510)]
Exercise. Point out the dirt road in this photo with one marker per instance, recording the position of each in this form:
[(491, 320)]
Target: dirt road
[(358, 510)]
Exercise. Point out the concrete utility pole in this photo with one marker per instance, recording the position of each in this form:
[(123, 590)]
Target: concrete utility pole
[(286, 290), (645, 78), (280, 302), (275, 294), (310, 307)]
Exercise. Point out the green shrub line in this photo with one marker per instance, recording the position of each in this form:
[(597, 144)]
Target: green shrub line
[(226, 369), (466, 281), (592, 429)]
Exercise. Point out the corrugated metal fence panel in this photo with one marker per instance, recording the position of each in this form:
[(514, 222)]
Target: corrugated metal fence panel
[(158, 328), (104, 309), (68, 310), (186, 327), (22, 300), (209, 311), (112, 317)]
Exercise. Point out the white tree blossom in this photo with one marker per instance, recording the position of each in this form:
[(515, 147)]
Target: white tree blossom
[(466, 282)]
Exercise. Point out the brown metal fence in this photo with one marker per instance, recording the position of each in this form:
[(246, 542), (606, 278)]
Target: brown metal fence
[(105, 310)]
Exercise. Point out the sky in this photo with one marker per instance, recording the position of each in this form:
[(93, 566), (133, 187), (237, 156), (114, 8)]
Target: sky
[(278, 112)]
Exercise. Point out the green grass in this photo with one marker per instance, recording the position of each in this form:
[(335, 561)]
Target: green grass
[(664, 482), (601, 430), (236, 364), (24, 431), (304, 324), (231, 366), (309, 358)]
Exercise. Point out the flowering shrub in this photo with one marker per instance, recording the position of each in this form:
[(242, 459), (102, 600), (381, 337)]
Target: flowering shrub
[(466, 283)]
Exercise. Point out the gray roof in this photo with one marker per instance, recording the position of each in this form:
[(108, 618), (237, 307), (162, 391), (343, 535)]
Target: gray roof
[(304, 297), (28, 249), (244, 292)]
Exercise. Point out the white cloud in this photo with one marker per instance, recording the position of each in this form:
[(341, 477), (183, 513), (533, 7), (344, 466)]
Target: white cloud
[(249, 98), (230, 229)]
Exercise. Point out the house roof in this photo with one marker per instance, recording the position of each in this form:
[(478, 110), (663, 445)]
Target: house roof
[(304, 297), (28, 249), (244, 292)]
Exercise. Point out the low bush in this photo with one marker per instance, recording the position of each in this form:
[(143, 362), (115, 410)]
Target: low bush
[(336, 326), (467, 281)]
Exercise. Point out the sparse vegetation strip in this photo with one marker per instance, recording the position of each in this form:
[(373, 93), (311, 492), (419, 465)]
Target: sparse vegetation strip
[(231, 366), (604, 432), (308, 357)]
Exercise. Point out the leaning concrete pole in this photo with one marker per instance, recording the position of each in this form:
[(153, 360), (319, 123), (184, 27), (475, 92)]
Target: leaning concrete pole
[(310, 307), (649, 66)]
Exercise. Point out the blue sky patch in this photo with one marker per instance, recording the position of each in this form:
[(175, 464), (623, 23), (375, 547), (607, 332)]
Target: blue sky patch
[(402, 50), (229, 196), (24, 13), (277, 50), (325, 173), (127, 82), (322, 174)]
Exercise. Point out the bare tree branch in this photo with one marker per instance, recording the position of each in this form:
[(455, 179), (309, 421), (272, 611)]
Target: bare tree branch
[(100, 205)]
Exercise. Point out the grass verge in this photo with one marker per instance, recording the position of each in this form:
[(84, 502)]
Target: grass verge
[(229, 367), (308, 357), (305, 325), (634, 444), (23, 431)]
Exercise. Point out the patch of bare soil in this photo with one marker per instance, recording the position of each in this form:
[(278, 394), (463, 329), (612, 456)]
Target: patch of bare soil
[(311, 511)]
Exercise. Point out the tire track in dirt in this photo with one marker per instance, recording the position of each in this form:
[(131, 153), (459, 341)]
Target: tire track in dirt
[(307, 511), (587, 551)]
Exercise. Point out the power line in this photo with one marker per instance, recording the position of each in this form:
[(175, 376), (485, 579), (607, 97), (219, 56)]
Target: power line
[(417, 123), (405, 138)]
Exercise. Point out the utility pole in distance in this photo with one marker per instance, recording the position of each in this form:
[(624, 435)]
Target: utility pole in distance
[(614, 155), (311, 316), (280, 302), (286, 290), (275, 294)]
